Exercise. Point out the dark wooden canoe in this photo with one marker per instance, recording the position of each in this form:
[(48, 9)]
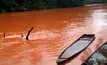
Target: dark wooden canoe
[(99, 57), (77, 47)]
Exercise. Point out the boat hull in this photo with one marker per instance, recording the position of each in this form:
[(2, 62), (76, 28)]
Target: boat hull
[(76, 48)]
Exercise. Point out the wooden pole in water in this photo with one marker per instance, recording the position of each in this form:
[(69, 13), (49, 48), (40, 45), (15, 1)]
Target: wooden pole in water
[(29, 34), (21, 35), (4, 35)]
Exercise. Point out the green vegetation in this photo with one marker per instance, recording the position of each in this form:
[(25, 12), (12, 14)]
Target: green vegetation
[(94, 1), (28, 5)]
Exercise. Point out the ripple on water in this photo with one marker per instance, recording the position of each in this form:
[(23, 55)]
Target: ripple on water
[(54, 31)]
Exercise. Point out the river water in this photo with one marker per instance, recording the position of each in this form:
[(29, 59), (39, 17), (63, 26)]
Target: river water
[(54, 30)]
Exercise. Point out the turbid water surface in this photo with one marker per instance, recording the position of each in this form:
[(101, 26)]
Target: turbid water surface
[(54, 30)]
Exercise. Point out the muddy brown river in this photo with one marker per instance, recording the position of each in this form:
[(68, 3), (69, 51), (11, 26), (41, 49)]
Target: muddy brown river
[(54, 30)]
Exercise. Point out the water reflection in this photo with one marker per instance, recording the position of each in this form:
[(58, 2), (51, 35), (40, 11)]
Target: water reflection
[(98, 17)]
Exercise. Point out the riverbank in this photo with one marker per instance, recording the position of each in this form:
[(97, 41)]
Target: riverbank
[(32, 5)]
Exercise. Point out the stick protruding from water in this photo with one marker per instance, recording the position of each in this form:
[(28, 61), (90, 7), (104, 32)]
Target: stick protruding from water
[(4, 35), (27, 37), (21, 35)]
